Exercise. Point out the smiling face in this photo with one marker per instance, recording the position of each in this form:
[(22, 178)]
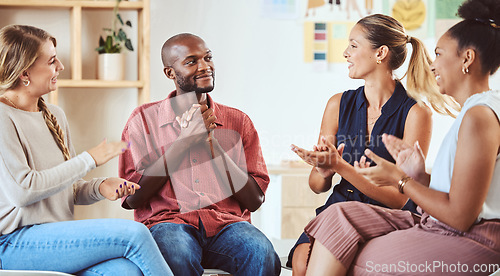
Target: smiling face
[(43, 73), (360, 54), (191, 66), (447, 67)]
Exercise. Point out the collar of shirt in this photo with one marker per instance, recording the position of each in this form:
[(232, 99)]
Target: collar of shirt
[(391, 105)]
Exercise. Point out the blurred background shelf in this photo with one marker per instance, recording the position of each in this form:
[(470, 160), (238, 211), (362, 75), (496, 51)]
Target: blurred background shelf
[(76, 8)]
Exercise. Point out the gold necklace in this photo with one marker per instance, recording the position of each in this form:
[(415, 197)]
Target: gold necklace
[(374, 120), (13, 104)]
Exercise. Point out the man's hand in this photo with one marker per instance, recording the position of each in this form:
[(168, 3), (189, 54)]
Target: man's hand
[(196, 124)]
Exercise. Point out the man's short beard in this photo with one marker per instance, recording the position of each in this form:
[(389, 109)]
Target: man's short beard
[(181, 81), (204, 89)]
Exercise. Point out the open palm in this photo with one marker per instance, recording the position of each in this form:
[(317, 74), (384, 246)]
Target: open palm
[(325, 157), (409, 158)]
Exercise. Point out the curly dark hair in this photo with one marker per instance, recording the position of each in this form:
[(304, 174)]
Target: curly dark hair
[(480, 30)]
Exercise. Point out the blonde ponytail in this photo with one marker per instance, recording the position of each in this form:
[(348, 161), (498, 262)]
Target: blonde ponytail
[(421, 84), (54, 128)]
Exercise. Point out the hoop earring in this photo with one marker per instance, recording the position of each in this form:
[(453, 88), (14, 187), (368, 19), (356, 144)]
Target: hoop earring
[(26, 82), (379, 62), (465, 70)]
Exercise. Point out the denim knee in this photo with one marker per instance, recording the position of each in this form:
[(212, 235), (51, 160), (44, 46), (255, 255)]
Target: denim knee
[(137, 231), (126, 230), (264, 253), (178, 246), (183, 255), (118, 266)]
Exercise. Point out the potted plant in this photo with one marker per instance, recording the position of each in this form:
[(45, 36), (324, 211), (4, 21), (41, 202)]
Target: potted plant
[(110, 60)]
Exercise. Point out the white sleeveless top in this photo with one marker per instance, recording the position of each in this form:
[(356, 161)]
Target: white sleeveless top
[(442, 170)]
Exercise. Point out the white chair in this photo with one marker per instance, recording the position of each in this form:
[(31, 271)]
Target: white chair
[(283, 261)]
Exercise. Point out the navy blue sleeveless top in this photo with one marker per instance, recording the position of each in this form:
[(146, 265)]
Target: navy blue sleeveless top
[(353, 130)]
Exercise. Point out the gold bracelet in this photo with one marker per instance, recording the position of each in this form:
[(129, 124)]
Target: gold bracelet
[(402, 183)]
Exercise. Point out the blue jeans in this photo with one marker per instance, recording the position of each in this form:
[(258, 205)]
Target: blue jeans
[(239, 248), (84, 247)]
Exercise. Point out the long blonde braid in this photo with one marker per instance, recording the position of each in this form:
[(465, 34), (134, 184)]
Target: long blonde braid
[(54, 128)]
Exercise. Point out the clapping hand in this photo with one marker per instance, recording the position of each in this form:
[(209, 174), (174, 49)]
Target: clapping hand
[(196, 123), (384, 173), (106, 151), (409, 158), (187, 116), (325, 156)]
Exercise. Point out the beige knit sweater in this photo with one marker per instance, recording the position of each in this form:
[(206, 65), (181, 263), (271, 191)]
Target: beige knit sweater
[(36, 184)]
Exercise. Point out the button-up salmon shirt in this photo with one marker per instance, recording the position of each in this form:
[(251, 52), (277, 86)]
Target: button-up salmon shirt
[(194, 190)]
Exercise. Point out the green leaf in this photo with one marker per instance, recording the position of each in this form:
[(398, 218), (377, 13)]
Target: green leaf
[(116, 49), (100, 49), (128, 44), (109, 42), (122, 36), (119, 18), (128, 23), (101, 42)]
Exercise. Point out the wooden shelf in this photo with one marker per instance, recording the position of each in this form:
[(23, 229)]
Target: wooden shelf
[(76, 8)]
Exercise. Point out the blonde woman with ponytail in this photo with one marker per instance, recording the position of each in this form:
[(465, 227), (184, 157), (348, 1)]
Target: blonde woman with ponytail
[(355, 120), (40, 176)]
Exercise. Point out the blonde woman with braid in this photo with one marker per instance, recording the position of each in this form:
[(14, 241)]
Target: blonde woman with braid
[(40, 177), (356, 119)]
